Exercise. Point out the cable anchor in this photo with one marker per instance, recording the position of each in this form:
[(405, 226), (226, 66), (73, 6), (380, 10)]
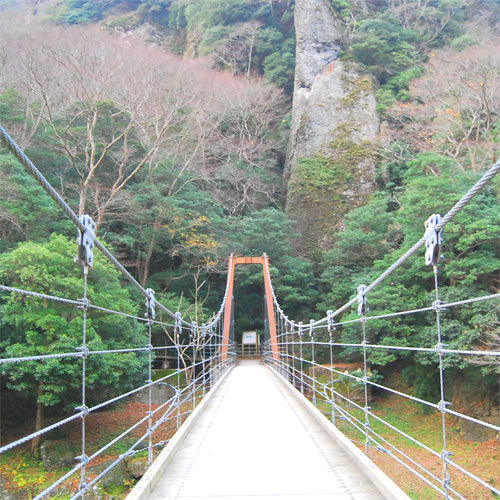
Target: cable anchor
[(433, 240), (86, 241)]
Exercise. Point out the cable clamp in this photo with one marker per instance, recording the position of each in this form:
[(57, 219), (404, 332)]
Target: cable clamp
[(440, 346), (148, 381), (433, 240), (84, 409), (301, 327), (83, 459), (329, 315), (85, 304), (84, 350), (149, 347), (442, 406), (367, 409), (311, 329), (150, 304), (362, 309), (366, 379), (86, 241), (382, 449), (178, 321), (194, 327), (436, 305), (445, 455)]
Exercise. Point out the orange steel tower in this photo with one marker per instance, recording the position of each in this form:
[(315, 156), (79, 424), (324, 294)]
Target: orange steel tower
[(233, 262)]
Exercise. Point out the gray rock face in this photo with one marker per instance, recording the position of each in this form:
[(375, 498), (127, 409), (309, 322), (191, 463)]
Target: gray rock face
[(334, 127)]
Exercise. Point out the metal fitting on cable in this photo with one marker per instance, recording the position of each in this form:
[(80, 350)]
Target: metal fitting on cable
[(150, 304), (301, 327), (442, 405), (83, 409), (433, 240), (329, 315), (84, 350), (149, 347), (85, 303), (440, 346), (194, 327), (86, 241), (436, 305), (445, 455), (311, 329), (83, 459), (362, 309), (178, 321), (292, 327)]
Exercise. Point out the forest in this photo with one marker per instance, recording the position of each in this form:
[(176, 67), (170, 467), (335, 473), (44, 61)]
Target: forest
[(168, 122)]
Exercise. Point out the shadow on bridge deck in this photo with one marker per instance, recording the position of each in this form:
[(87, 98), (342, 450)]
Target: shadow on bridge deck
[(254, 438)]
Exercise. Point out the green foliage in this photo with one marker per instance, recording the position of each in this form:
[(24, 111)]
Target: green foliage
[(32, 326), (376, 235), (385, 47), (80, 11), (26, 212)]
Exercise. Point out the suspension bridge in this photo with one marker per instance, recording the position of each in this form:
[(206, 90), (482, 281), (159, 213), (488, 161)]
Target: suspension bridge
[(268, 427)]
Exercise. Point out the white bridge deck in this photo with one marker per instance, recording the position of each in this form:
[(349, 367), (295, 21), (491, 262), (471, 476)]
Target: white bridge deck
[(254, 438)]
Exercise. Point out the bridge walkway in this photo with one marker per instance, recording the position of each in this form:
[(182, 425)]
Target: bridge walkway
[(250, 441)]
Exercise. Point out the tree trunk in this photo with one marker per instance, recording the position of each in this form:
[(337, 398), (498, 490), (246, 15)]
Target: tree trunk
[(35, 443)]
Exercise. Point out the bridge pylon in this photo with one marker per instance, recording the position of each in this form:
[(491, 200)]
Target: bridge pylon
[(228, 308)]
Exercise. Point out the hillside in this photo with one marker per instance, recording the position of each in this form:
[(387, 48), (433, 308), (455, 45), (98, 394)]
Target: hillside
[(321, 132)]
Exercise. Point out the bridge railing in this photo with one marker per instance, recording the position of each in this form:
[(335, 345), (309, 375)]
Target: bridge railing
[(198, 350), (346, 394)]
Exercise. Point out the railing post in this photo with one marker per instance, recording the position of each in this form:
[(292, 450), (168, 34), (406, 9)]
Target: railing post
[(86, 239), (433, 242), (311, 336), (194, 340), (150, 315), (362, 309), (177, 336), (301, 355), (332, 380)]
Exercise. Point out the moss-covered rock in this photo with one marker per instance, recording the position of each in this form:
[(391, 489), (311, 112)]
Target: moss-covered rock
[(334, 130), (57, 453)]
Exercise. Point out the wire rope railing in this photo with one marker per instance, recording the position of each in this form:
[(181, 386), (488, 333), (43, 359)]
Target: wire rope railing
[(197, 349), (299, 343)]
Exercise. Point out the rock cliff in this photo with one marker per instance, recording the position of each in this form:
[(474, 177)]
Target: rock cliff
[(331, 154)]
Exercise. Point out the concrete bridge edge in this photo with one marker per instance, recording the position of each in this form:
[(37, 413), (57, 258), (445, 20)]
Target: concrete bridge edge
[(384, 484)]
